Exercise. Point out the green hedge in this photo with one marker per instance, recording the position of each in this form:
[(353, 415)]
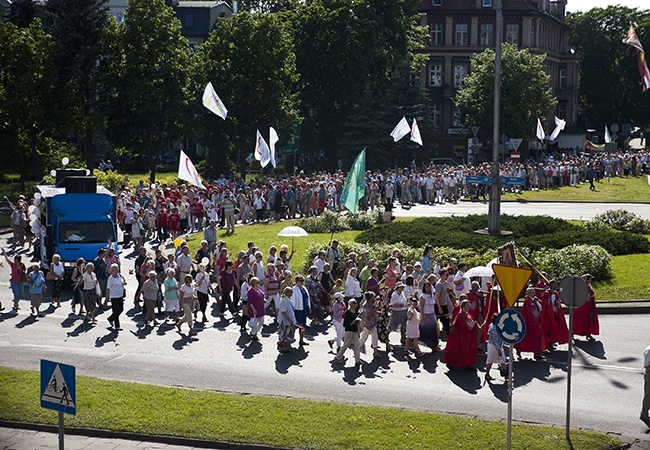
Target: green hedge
[(534, 232), (329, 221), (570, 260), (619, 219)]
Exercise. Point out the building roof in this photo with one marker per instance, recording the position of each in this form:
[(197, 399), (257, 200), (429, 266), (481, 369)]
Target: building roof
[(201, 4)]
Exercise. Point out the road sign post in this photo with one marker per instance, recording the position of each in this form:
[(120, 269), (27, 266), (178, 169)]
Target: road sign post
[(573, 293), (511, 328), (58, 391)]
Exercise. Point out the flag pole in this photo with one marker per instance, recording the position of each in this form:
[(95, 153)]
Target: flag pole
[(494, 208)]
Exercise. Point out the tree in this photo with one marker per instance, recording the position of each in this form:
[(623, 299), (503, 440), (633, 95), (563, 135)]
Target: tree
[(22, 13), (346, 53), (525, 92), (26, 79), (250, 60), (146, 70), (610, 85), (77, 26)]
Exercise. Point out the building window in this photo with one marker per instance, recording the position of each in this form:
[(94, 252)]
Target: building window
[(512, 34), (436, 34), (562, 79), (533, 35), (189, 20), (461, 35), (460, 72), (435, 75), (487, 3), (561, 109), (436, 2), (487, 35), (436, 115), (119, 18), (456, 119)]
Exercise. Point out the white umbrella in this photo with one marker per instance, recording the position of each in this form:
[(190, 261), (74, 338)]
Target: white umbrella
[(293, 232), (479, 271)]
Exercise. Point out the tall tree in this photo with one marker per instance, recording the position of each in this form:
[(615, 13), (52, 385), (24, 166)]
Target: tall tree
[(251, 62), (610, 86), (147, 81), (22, 13), (77, 27), (26, 79), (345, 50), (525, 92)]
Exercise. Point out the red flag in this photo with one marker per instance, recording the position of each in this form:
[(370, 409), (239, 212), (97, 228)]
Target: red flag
[(633, 40)]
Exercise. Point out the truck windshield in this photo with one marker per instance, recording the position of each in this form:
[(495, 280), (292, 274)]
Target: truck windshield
[(86, 232)]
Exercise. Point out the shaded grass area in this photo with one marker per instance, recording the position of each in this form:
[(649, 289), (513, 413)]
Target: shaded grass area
[(629, 280), (140, 408), (618, 189), (266, 234)]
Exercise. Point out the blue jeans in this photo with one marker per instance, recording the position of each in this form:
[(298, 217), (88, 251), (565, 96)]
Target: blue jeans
[(17, 289)]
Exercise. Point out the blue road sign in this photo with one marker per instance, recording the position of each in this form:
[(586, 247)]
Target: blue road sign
[(58, 387), (511, 326), (505, 181)]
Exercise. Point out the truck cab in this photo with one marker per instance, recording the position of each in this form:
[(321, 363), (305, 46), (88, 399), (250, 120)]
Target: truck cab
[(80, 217)]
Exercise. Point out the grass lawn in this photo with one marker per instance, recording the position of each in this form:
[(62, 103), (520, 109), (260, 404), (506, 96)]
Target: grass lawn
[(618, 189), (141, 408), (265, 235), (630, 280)]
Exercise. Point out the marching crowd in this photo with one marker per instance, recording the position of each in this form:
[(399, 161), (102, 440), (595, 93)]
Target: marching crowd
[(357, 297)]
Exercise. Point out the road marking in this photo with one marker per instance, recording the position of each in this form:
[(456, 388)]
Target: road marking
[(598, 366)]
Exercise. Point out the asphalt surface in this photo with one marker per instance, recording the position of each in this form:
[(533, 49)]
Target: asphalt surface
[(568, 210), (607, 375)]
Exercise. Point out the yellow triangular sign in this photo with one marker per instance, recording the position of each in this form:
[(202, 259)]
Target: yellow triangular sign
[(512, 280)]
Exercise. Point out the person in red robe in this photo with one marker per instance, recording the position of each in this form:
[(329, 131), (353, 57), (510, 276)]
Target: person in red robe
[(554, 325), (462, 344), (542, 285), (585, 318), (533, 339), (492, 307)]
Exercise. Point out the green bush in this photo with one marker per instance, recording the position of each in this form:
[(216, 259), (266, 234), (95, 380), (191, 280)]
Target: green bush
[(364, 220), (111, 180), (619, 219), (534, 232), (327, 222), (574, 260)]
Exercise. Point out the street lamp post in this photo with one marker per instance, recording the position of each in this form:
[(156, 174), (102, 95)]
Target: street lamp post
[(494, 209)]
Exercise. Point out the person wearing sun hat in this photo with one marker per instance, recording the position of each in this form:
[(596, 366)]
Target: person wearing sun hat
[(398, 316)]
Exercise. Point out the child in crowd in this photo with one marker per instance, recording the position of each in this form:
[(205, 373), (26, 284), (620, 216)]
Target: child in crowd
[(412, 328)]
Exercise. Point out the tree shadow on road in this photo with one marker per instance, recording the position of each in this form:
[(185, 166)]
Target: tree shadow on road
[(285, 360)]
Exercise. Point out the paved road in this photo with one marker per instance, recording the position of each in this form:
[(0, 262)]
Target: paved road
[(569, 211), (606, 390)]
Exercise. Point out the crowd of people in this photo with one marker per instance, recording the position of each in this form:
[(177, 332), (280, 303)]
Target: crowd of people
[(353, 296)]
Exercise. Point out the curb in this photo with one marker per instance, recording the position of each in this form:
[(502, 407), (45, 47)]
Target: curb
[(639, 307), (161, 439)]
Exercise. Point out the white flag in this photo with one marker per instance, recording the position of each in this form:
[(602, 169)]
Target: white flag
[(559, 126), (401, 130), (540, 131), (273, 138), (415, 133), (262, 152), (212, 101), (187, 171), (608, 137)]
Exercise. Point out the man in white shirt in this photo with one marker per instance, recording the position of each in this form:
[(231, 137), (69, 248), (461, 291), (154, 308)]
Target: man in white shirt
[(184, 262), (646, 387)]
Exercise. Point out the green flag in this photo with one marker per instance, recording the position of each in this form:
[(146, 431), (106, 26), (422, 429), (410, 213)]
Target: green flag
[(355, 185)]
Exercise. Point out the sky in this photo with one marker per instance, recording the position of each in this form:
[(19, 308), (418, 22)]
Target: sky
[(585, 5)]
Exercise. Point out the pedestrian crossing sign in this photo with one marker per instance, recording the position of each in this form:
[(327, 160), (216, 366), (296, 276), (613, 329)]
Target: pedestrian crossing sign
[(512, 280), (58, 387)]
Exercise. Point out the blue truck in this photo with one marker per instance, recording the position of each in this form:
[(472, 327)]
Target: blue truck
[(80, 217)]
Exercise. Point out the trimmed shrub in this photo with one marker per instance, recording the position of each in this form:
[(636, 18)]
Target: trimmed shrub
[(111, 180), (330, 221), (619, 219), (574, 260), (534, 232)]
